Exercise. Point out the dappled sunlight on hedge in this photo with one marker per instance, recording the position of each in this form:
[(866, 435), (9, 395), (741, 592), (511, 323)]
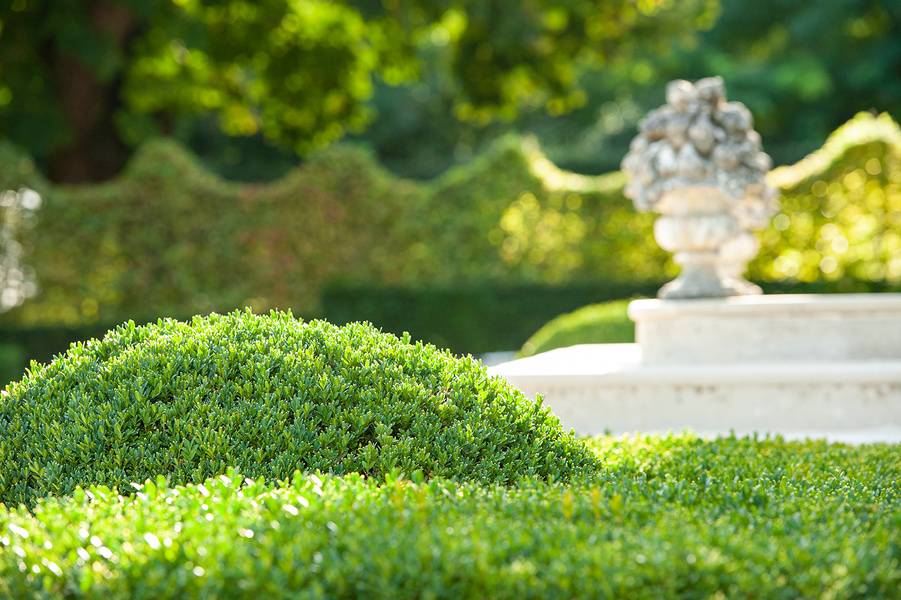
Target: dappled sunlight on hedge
[(168, 238), (841, 209)]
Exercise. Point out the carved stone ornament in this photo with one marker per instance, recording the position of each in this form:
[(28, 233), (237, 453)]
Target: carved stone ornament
[(698, 162)]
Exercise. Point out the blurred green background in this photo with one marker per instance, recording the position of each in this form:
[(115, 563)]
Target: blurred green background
[(447, 168)]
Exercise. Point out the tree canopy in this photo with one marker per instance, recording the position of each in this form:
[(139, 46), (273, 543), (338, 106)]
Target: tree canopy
[(82, 81), (803, 68)]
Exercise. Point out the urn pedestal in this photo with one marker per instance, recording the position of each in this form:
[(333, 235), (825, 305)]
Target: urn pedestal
[(733, 261), (694, 225)]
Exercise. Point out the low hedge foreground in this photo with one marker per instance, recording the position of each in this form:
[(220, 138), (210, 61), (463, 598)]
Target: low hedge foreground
[(269, 395), (247, 456), (673, 517)]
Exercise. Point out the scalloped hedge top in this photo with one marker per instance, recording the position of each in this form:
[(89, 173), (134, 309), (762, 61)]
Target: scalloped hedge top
[(268, 395)]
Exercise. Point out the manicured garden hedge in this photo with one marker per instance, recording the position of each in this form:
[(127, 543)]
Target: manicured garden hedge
[(841, 210), (169, 239), (674, 517), (372, 467)]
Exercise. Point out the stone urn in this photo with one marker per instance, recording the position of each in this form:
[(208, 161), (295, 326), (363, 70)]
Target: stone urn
[(698, 163)]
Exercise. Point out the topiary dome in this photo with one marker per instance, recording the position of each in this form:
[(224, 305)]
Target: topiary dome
[(268, 395)]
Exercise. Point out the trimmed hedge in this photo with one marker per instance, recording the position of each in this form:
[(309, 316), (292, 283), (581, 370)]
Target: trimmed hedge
[(169, 239), (841, 210), (673, 517), (270, 395), (511, 216)]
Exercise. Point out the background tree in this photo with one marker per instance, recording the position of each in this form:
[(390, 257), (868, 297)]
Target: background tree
[(82, 81), (802, 68)]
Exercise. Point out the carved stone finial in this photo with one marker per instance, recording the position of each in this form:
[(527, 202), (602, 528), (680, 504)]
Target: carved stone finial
[(698, 162)]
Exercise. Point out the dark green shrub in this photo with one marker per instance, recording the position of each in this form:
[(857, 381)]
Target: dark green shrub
[(605, 323), (12, 362), (470, 319), (674, 517), (269, 395), (40, 344)]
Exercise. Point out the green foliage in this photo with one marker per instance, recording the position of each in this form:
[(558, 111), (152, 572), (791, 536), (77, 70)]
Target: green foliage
[(98, 78), (605, 323), (841, 209), (803, 70), (269, 395), (40, 344), (12, 362), (473, 318), (300, 71), (674, 517), (168, 238), (544, 224), (503, 59), (17, 169)]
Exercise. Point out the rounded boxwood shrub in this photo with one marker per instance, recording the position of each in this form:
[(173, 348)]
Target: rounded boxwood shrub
[(605, 323), (269, 395)]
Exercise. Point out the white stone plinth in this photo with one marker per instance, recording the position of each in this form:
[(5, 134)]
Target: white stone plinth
[(799, 366), (799, 328)]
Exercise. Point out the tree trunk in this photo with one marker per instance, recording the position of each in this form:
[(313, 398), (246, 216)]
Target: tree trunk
[(95, 153)]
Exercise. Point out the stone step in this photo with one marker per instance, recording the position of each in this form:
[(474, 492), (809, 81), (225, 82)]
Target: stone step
[(602, 388), (798, 366), (790, 327)]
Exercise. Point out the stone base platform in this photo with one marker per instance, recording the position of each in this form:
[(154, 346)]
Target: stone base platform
[(830, 371), (778, 328)]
